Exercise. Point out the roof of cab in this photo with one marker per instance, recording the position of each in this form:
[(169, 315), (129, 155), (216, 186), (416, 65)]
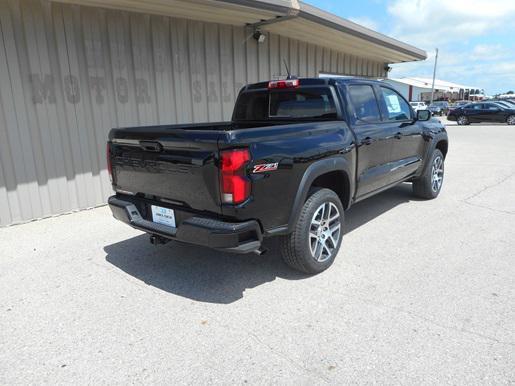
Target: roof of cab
[(325, 81)]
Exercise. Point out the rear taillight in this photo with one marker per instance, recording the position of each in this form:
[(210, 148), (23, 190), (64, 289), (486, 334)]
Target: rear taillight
[(109, 162), (287, 83), (235, 185)]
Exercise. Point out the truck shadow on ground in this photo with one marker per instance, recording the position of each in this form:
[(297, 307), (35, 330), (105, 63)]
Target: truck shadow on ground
[(216, 277)]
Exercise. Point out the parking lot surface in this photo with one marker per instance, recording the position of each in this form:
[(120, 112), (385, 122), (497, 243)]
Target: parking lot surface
[(421, 292)]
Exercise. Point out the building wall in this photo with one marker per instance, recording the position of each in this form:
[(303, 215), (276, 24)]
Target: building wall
[(403, 89), (69, 73)]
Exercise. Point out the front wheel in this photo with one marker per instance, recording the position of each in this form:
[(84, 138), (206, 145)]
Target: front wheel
[(510, 120), (429, 184), (317, 236), (462, 120)]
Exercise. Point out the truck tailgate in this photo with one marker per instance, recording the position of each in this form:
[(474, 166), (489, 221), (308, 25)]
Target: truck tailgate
[(174, 164)]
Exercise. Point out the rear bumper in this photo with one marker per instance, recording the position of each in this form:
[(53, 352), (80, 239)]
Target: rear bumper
[(241, 237)]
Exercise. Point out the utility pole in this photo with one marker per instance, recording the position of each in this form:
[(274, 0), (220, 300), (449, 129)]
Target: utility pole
[(434, 76)]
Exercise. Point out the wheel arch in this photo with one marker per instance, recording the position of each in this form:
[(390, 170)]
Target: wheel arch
[(323, 174), (443, 146)]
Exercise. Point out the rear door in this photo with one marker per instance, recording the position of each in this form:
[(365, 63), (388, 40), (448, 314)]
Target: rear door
[(491, 112), (172, 164), (372, 140), (406, 144), (473, 112)]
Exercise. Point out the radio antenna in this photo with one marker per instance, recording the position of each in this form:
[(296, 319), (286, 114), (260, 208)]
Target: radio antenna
[(287, 69)]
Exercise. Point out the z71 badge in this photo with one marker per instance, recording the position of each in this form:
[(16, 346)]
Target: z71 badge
[(265, 167)]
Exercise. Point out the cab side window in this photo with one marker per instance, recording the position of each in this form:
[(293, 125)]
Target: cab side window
[(365, 103), (491, 106), (397, 108)]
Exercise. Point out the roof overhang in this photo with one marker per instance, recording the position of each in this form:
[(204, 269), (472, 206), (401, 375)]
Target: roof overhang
[(426, 83), (303, 22)]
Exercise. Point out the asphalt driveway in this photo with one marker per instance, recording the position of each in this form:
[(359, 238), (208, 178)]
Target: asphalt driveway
[(422, 292)]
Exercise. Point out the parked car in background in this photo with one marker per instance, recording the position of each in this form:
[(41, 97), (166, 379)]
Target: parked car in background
[(418, 106), (504, 104), (482, 112), (507, 102), (439, 108), (461, 103)]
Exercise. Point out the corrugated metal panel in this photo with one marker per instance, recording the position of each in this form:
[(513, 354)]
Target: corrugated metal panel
[(69, 73)]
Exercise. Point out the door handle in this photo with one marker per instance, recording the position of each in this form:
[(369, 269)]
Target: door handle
[(151, 146), (367, 141), (398, 136)]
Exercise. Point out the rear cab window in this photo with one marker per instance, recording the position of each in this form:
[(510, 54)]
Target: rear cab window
[(303, 103)]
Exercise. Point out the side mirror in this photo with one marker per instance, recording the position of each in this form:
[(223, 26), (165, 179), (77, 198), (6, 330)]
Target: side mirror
[(423, 115)]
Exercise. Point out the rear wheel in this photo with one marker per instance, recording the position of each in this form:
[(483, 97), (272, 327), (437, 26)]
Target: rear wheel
[(317, 236), (462, 120), (510, 120), (429, 184)]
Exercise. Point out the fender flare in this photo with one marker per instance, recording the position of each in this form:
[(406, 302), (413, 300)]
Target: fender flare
[(442, 136), (313, 171)]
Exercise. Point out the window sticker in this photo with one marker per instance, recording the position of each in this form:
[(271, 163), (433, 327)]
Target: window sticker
[(392, 103)]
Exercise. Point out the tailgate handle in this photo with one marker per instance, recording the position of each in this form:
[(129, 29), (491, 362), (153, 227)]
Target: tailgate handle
[(151, 146)]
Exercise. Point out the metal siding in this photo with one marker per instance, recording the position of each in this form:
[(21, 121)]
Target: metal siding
[(303, 60), (227, 71), (239, 59), (311, 60), (252, 56), (274, 59), (294, 56), (69, 73), (264, 60)]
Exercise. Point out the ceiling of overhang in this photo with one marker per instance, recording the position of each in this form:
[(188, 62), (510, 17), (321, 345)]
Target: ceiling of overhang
[(237, 14), (328, 37), (203, 10)]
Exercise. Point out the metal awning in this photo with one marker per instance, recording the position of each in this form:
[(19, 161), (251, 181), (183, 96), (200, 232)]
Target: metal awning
[(297, 21)]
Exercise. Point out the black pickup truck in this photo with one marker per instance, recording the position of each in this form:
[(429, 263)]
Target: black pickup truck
[(296, 155)]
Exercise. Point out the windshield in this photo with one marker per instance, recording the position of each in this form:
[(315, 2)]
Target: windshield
[(301, 103)]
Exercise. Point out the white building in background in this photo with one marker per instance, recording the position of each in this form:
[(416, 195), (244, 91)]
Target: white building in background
[(419, 89)]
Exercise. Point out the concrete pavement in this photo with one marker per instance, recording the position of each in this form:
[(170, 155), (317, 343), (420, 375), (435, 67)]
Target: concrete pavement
[(422, 292)]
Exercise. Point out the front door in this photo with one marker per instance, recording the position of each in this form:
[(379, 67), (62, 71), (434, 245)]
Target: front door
[(473, 112), (407, 144)]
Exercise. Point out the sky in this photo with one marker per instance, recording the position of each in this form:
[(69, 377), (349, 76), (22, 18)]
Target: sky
[(475, 38)]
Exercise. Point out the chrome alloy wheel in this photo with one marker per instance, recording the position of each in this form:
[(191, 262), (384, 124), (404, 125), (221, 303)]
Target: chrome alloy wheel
[(462, 120), (324, 231), (437, 174), (511, 120)]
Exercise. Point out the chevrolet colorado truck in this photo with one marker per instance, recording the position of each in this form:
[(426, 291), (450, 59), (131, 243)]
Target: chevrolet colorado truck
[(295, 156)]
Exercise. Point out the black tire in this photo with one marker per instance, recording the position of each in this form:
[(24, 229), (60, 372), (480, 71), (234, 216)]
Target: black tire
[(296, 248), (462, 120), (510, 120), (424, 186)]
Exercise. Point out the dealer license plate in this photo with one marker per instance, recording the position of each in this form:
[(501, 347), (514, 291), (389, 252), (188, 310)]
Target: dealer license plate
[(163, 216)]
